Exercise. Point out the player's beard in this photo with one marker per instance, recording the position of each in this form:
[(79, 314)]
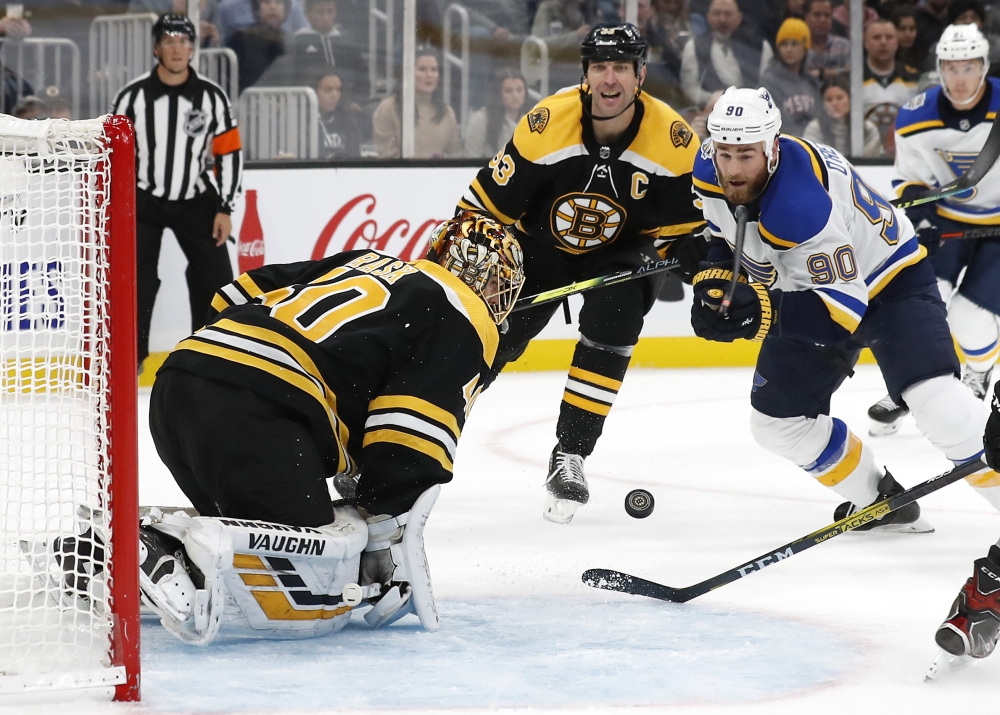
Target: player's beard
[(746, 193)]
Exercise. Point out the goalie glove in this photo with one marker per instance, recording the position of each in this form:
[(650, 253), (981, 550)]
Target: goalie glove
[(749, 316), (394, 558)]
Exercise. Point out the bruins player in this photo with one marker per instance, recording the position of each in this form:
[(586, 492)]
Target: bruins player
[(354, 363), (594, 180)]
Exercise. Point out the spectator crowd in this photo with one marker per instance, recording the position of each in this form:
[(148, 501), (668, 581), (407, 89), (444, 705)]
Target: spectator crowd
[(799, 49)]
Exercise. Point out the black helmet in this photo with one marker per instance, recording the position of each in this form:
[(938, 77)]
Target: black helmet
[(621, 43), (172, 24)]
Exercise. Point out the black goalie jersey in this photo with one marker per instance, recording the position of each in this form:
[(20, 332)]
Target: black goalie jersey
[(382, 357), (554, 182)]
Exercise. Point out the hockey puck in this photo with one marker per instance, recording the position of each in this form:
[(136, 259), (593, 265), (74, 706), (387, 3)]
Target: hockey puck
[(639, 503)]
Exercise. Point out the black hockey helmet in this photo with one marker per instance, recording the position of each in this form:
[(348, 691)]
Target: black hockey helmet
[(173, 24), (614, 43)]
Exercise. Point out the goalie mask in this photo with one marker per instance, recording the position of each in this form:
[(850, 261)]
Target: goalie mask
[(483, 255)]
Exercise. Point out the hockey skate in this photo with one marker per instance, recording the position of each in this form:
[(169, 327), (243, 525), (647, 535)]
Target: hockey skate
[(905, 520), (566, 486), (886, 417), (973, 625), (978, 382), (165, 580)]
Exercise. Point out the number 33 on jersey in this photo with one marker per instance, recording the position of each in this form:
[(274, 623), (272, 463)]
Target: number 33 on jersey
[(818, 227)]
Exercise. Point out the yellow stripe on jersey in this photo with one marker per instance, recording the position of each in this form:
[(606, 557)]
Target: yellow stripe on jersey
[(705, 186), (840, 316), (771, 238), (595, 379), (919, 126), (813, 156), (252, 289), (417, 444), (847, 465), (293, 378), (984, 480), (584, 404), (219, 303), (885, 278), (415, 404), (488, 204), (657, 139), (473, 304), (946, 212), (907, 184), (990, 116)]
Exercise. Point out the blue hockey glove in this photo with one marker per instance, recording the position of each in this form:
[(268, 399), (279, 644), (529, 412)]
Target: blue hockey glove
[(749, 315)]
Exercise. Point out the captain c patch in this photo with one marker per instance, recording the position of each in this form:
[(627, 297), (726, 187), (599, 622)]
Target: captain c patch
[(538, 119), (680, 134)]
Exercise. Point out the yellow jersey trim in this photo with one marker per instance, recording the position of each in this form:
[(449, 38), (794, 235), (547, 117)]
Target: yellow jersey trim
[(415, 404), (705, 186), (840, 316), (474, 306), (966, 218), (919, 126), (885, 279), (595, 378), (817, 168), (410, 441), (585, 404), (771, 238), (564, 128), (652, 142), (488, 204), (247, 283)]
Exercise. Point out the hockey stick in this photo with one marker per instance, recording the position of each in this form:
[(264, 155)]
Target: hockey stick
[(580, 286), (991, 232), (741, 230), (988, 156), (623, 582)]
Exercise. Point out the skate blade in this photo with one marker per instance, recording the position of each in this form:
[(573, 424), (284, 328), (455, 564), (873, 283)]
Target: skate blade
[(883, 429), (559, 511), (946, 663)]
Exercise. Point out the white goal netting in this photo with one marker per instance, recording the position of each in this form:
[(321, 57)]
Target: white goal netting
[(56, 616)]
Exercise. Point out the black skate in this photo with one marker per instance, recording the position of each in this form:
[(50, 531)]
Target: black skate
[(978, 382), (904, 520), (566, 486), (886, 417), (973, 625)]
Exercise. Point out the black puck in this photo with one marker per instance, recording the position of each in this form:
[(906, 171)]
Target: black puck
[(639, 503)]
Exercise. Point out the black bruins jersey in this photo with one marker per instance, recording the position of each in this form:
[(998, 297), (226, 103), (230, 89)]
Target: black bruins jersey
[(382, 357), (554, 182)]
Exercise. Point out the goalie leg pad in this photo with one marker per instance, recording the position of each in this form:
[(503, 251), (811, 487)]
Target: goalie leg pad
[(280, 581), (825, 448), (395, 559)]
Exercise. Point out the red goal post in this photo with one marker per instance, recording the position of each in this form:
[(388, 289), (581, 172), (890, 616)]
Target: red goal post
[(69, 586)]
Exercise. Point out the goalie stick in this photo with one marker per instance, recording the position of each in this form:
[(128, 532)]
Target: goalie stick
[(988, 156), (617, 581)]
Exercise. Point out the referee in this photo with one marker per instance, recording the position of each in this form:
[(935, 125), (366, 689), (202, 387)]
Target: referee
[(178, 116)]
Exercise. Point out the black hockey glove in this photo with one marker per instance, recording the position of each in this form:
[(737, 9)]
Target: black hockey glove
[(991, 439), (925, 221), (749, 316), (690, 251)]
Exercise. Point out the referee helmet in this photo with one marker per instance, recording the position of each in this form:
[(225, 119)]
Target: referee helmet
[(173, 24)]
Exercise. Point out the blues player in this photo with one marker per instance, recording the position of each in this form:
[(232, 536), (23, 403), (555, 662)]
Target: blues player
[(938, 135), (832, 268)]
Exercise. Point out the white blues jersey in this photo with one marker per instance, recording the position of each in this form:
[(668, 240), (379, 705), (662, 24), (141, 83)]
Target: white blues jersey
[(816, 227), (935, 144)]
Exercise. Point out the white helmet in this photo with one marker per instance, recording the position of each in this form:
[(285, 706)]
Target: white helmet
[(746, 116), (962, 42)]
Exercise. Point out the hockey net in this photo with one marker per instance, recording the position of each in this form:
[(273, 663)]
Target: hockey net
[(68, 455)]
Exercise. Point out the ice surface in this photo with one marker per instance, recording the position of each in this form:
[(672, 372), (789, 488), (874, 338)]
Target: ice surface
[(846, 625)]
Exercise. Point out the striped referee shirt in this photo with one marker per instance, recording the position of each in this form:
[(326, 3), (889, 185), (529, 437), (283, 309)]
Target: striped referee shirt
[(175, 127)]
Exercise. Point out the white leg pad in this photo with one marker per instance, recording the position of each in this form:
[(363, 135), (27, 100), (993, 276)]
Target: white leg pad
[(949, 416), (280, 581), (976, 331), (851, 472)]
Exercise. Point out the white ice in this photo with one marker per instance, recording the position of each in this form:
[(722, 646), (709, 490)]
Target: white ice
[(847, 625)]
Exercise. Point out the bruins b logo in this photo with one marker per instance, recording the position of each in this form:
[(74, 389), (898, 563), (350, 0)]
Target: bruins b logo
[(585, 221)]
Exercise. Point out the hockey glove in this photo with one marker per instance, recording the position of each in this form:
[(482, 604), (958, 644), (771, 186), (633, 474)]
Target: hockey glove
[(749, 315), (690, 251), (925, 221)]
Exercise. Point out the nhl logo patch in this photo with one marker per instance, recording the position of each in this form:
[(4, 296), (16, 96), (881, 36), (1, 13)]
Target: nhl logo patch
[(195, 122), (538, 119), (680, 134), (604, 152)]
